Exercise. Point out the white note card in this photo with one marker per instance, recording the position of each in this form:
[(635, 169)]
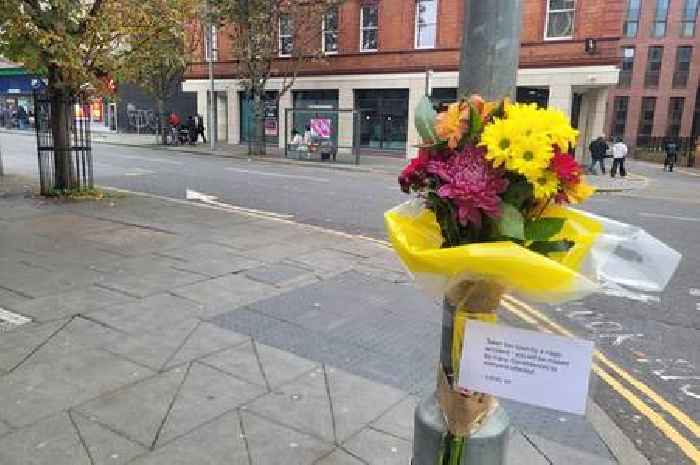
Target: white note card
[(526, 366)]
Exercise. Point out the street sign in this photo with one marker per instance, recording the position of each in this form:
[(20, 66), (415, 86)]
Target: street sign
[(526, 366)]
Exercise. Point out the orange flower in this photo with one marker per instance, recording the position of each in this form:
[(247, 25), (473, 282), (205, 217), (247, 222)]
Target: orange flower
[(482, 106), (452, 124), (577, 193)]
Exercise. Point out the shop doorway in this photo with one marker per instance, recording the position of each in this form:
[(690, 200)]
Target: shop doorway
[(383, 118)]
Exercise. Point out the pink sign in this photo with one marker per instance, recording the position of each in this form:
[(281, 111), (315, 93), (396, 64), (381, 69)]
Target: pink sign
[(322, 127)]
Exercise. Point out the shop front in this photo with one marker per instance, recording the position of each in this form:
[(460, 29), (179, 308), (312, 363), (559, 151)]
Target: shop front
[(383, 118), (247, 119), (316, 109), (16, 98)]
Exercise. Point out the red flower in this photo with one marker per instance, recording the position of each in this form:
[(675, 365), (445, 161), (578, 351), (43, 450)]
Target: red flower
[(565, 167), (414, 175)]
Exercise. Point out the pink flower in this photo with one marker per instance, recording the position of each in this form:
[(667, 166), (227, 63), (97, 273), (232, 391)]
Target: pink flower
[(413, 175), (472, 184)]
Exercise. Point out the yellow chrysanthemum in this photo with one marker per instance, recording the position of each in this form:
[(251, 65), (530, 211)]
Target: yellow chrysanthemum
[(578, 192), (530, 156), (452, 124), (559, 129), (498, 137), (546, 185)]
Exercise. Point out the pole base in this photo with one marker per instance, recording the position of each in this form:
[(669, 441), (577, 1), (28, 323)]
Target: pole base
[(485, 447)]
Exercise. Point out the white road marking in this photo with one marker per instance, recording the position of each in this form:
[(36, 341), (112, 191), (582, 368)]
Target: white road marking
[(694, 292), (139, 172), (669, 217), (152, 159), (13, 318), (279, 175), (213, 200)]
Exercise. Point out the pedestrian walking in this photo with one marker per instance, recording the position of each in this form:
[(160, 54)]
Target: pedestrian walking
[(598, 150), (191, 126), (619, 152), (200, 129), (671, 155)]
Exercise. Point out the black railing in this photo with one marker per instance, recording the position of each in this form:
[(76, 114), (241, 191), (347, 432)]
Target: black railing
[(686, 147), (76, 169)]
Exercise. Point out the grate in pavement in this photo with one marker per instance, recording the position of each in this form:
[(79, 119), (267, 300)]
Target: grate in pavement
[(10, 320)]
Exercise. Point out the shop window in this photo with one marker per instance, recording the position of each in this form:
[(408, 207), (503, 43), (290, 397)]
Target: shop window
[(653, 70), (383, 118), (560, 19), (286, 36), (318, 104), (330, 32), (682, 69), (688, 18), (626, 67), (426, 23), (646, 120), (675, 116), (369, 28), (658, 26), (270, 115), (620, 107), (631, 24)]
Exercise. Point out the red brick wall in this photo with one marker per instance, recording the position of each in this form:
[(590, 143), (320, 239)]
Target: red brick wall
[(599, 19), (671, 41)]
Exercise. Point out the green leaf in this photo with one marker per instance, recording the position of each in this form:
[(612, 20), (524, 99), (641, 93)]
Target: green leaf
[(517, 193), (476, 125), (543, 229), (425, 121), (548, 247), (512, 223)]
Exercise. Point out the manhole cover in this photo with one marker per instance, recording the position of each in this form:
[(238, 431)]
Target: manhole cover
[(10, 320)]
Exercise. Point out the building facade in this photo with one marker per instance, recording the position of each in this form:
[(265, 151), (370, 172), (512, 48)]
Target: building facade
[(379, 54), (660, 68)]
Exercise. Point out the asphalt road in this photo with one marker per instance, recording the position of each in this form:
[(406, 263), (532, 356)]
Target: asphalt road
[(654, 339)]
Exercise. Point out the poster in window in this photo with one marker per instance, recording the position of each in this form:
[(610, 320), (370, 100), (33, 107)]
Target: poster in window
[(322, 127), (271, 127)]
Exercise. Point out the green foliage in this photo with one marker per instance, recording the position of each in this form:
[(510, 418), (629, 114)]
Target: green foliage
[(549, 247), (519, 191), (543, 229), (425, 121), (476, 124), (511, 224)]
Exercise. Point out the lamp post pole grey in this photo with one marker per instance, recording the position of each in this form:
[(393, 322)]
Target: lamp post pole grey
[(488, 67), (210, 56)]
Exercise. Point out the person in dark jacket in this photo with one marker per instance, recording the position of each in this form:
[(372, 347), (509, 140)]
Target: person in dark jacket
[(671, 154), (191, 126), (200, 129), (598, 150)]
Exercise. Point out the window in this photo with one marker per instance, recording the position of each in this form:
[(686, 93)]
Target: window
[(426, 23), (286, 36), (675, 115), (620, 106), (646, 120), (690, 13), (369, 28), (654, 58), (560, 19), (626, 67), (680, 73), (330, 32), (631, 24), (214, 45), (658, 26)]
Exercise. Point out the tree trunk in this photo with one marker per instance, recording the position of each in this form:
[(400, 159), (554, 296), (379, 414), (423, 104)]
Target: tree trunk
[(162, 123), (64, 173), (259, 110)]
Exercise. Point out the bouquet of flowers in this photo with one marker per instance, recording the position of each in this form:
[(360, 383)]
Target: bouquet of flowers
[(492, 184)]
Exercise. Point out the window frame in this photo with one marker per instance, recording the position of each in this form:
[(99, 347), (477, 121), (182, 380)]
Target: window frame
[(689, 19), (647, 71), (641, 138), (324, 31), (627, 83), (656, 20), (617, 123), (280, 36), (629, 19), (363, 28), (573, 21), (416, 34), (214, 44), (672, 122), (677, 84)]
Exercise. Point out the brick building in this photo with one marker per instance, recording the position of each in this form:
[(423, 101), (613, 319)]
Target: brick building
[(378, 52), (657, 92)]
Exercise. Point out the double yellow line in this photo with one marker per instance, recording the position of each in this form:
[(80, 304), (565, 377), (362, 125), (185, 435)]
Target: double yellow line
[(620, 381)]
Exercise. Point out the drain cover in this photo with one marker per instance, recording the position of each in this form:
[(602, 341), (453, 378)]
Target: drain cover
[(10, 320)]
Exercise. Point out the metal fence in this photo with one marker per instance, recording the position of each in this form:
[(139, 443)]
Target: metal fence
[(79, 144), (340, 142), (686, 147)]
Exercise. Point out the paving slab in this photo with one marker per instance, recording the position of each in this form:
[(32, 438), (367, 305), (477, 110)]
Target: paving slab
[(399, 420), (281, 275), (79, 301), (205, 394), (152, 313), (209, 258), (19, 344), (132, 241), (521, 451), (105, 447), (288, 446), (339, 457), (326, 261), (137, 411), (218, 442), (52, 441), (377, 448), (556, 452), (137, 282), (225, 293)]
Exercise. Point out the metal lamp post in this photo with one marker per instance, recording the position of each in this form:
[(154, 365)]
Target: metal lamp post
[(210, 56), (489, 66)]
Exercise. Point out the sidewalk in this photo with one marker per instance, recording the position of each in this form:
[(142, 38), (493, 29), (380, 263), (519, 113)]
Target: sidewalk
[(167, 333)]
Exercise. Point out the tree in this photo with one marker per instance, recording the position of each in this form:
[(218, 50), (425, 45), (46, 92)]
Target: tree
[(74, 44), (259, 52), (160, 49)]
